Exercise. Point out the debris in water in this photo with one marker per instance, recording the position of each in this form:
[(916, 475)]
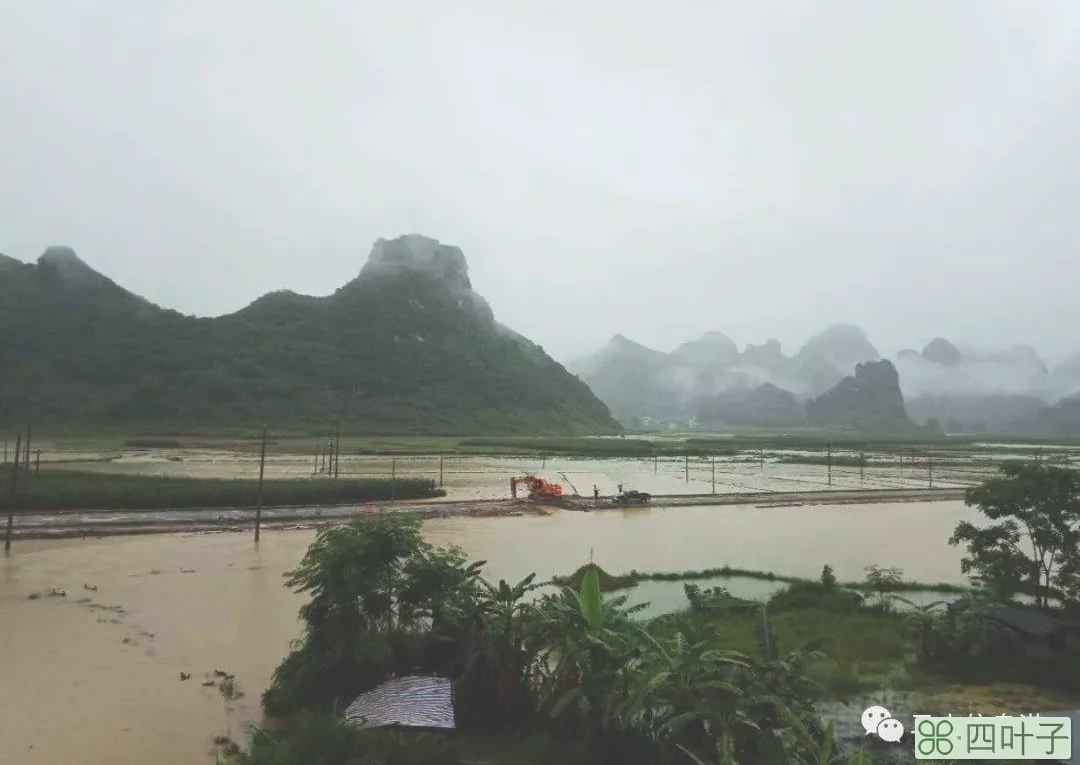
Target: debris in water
[(33, 596), (128, 641), (91, 587), (187, 571), (57, 593), (208, 684), (185, 676), (83, 601)]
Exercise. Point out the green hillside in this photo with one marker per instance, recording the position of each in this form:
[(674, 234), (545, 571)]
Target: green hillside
[(405, 348)]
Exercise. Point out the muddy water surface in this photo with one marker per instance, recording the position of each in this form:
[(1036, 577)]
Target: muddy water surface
[(98, 682)]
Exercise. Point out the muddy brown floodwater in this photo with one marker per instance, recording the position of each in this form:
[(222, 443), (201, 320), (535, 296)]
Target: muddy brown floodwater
[(93, 676)]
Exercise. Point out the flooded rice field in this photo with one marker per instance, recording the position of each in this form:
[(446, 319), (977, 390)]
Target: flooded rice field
[(476, 477), (95, 675)]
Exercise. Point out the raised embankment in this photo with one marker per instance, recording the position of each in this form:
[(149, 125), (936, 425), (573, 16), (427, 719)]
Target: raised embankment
[(99, 523)]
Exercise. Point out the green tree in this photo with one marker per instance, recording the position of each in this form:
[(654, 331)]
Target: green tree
[(882, 582), (1032, 544), (379, 595), (494, 659)]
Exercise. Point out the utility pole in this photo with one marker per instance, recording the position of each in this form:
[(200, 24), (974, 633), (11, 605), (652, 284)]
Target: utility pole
[(393, 477), (37, 461), (440, 470), (828, 460), (930, 469), (259, 495), (656, 464), (11, 494), (862, 465), (761, 459), (315, 468), (322, 459), (714, 475), (29, 427), (686, 467), (337, 448)]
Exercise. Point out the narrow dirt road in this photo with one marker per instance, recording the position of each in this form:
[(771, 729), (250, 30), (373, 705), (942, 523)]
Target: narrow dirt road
[(100, 523)]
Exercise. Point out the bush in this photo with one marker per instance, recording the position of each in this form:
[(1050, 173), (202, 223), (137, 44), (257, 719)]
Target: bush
[(322, 738), (802, 595)]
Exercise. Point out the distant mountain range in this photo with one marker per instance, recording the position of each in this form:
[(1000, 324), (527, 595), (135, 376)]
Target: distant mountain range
[(711, 381), (405, 347)]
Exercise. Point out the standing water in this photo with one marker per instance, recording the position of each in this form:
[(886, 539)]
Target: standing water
[(94, 676)]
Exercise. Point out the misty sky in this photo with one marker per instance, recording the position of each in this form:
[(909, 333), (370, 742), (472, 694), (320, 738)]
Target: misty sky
[(654, 169)]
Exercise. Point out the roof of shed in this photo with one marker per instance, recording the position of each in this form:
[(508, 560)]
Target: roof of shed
[(414, 702)]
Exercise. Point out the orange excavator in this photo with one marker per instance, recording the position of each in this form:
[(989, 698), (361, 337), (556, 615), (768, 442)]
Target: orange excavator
[(538, 488)]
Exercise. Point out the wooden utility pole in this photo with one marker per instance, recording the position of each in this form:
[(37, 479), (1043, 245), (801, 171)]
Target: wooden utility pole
[(11, 494), (5, 451), (315, 469), (37, 461), (686, 467), (862, 465), (259, 496), (656, 464), (930, 469), (29, 428), (337, 451), (761, 459), (828, 460), (714, 475), (393, 477), (440, 470)]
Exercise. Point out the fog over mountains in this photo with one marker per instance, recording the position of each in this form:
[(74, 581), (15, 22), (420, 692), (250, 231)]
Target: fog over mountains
[(710, 379)]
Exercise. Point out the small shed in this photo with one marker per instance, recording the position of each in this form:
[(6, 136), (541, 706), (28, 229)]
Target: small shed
[(410, 702), (1035, 626)]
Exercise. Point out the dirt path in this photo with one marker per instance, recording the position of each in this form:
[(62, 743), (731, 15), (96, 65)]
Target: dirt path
[(95, 524)]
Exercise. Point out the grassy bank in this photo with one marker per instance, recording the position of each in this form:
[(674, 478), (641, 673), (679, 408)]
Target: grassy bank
[(614, 582), (55, 489)]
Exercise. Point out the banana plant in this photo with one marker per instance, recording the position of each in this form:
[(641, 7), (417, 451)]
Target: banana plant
[(581, 640)]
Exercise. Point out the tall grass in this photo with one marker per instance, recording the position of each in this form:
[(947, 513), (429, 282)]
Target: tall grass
[(54, 490)]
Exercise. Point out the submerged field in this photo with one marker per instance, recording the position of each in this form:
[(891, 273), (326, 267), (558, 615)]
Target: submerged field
[(106, 662), (298, 470), (116, 623)]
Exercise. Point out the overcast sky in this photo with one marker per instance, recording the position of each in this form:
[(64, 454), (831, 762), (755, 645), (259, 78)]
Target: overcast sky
[(652, 169)]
